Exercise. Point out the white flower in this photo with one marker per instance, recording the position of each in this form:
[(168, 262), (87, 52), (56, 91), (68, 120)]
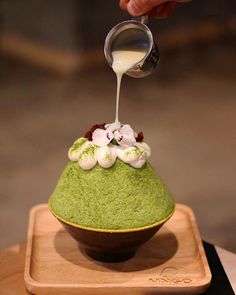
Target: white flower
[(124, 136), (102, 137), (115, 141)]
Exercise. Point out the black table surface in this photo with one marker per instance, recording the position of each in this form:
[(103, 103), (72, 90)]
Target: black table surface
[(220, 283)]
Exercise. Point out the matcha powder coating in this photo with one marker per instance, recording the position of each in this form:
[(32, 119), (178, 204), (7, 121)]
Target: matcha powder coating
[(120, 197)]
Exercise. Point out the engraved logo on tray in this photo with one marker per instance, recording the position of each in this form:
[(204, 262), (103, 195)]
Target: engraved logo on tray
[(168, 276)]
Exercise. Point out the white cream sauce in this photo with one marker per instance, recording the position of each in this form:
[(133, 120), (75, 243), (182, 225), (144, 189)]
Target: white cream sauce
[(123, 60)]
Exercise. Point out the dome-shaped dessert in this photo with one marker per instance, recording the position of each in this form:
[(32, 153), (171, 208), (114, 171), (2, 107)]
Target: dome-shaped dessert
[(108, 197), (118, 198)]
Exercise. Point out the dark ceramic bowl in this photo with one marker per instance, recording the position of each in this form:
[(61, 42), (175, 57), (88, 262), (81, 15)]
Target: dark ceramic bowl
[(110, 245)]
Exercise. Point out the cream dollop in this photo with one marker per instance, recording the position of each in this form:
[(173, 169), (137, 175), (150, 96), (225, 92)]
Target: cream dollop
[(106, 156), (87, 154)]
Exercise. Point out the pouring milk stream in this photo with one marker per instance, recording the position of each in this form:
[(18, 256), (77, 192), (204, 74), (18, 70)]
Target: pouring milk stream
[(123, 60), (130, 49)]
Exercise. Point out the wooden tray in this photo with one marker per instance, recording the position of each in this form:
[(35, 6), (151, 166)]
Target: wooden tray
[(173, 261)]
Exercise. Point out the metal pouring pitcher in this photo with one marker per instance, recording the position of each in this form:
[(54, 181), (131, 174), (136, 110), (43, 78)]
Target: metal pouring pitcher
[(133, 35)]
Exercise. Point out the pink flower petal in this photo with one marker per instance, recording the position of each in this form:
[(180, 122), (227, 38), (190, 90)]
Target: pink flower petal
[(127, 130), (124, 139), (102, 137)]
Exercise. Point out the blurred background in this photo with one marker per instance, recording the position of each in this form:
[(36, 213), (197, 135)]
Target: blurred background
[(55, 83)]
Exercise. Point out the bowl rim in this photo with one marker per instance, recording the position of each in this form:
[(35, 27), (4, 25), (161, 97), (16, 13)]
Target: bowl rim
[(135, 229)]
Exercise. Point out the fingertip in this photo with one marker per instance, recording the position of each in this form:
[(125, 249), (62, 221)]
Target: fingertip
[(133, 8)]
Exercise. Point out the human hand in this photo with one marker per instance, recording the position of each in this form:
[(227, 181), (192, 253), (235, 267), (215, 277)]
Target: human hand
[(153, 8)]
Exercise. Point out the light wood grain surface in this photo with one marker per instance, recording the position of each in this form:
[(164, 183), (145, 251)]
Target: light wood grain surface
[(173, 261), (12, 265), (12, 261)]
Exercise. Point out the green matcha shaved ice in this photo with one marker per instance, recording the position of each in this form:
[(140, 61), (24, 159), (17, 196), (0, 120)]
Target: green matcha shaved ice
[(121, 197)]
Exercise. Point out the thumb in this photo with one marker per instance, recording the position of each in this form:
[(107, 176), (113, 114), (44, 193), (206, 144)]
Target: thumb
[(140, 7)]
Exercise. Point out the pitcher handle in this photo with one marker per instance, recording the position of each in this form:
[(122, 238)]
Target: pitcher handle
[(142, 19)]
